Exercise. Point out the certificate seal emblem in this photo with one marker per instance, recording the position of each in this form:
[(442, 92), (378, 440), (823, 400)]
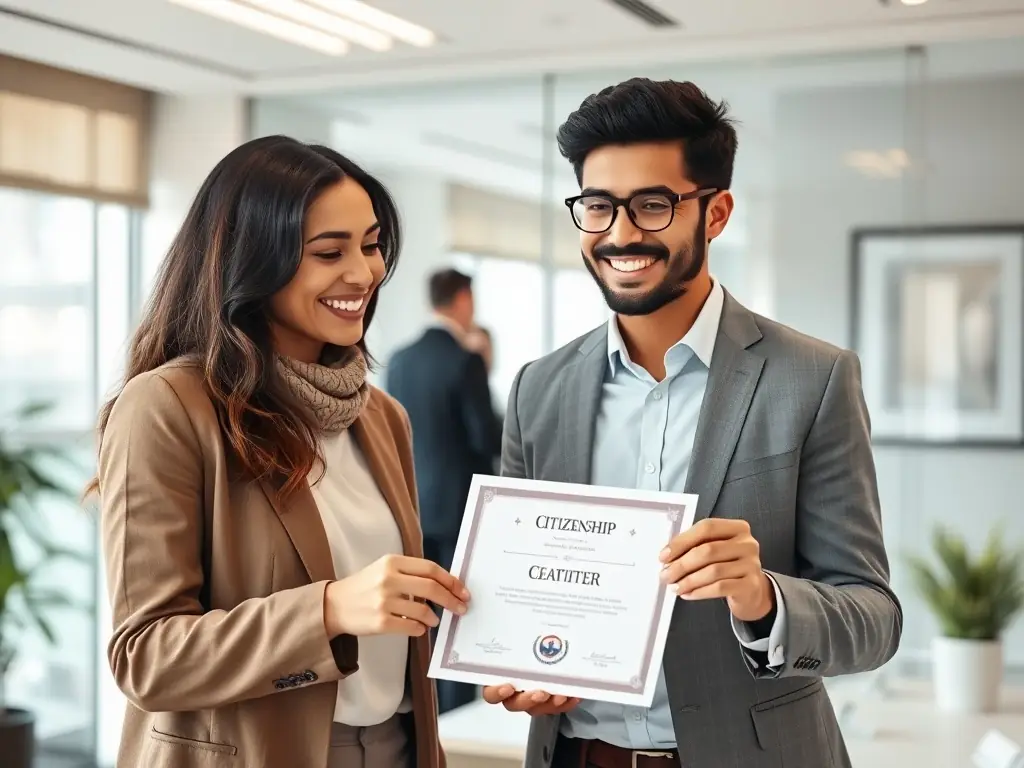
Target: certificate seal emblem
[(550, 649)]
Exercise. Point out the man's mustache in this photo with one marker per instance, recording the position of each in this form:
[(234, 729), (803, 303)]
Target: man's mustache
[(633, 249)]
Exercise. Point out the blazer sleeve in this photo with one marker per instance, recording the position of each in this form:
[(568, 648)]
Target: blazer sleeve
[(167, 652), (478, 411), (842, 615)]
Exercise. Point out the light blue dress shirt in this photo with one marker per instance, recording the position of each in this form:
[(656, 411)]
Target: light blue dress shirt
[(644, 439)]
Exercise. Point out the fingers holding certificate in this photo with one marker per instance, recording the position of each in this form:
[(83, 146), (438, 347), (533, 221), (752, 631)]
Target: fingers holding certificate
[(567, 590)]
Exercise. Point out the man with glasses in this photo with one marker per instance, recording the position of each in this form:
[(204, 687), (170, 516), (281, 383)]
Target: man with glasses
[(784, 578)]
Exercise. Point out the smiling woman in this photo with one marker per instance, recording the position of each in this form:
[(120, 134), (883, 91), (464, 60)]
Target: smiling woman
[(260, 532), (328, 298)]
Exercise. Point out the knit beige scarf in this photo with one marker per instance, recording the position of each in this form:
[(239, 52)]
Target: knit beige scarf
[(334, 392)]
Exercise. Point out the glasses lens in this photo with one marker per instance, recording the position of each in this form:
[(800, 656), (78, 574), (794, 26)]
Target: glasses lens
[(651, 212), (593, 214)]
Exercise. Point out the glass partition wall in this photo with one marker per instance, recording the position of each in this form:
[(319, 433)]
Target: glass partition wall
[(829, 146)]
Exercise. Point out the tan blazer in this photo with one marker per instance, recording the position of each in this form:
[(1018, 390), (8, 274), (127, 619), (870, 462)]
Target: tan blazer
[(217, 590)]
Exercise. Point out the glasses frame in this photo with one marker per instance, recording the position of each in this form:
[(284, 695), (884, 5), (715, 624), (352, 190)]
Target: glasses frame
[(624, 202)]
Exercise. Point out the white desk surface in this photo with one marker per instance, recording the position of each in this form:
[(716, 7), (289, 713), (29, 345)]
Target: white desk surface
[(484, 730), (900, 730)]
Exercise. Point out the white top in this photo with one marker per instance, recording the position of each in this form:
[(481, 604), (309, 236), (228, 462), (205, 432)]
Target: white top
[(360, 530)]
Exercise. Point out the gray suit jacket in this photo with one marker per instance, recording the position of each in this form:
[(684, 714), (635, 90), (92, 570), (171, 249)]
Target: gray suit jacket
[(783, 442)]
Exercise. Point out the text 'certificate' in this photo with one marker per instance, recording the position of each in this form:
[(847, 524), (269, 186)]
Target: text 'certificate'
[(566, 594)]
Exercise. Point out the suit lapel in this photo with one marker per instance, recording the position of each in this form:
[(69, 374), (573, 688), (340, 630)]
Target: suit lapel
[(301, 520), (731, 383), (580, 400)]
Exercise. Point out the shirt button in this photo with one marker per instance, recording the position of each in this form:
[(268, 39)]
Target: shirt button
[(638, 717), (657, 395), (649, 468)]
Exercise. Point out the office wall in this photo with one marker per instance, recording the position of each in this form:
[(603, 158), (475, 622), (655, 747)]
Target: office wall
[(189, 136), (967, 167)]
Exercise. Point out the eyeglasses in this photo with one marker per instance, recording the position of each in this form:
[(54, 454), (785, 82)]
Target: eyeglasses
[(649, 211)]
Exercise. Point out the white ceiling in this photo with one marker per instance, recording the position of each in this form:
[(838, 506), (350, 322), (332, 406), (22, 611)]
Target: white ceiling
[(155, 44), (472, 107)]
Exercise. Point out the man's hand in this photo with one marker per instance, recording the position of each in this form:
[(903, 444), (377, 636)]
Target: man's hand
[(719, 558), (533, 703)]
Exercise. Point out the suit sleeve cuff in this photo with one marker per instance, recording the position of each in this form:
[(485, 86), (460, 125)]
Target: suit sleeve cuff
[(774, 644)]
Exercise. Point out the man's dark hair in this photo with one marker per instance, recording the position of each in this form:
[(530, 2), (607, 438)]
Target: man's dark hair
[(641, 110), (445, 285)]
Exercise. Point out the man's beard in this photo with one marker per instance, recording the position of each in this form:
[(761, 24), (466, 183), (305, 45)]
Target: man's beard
[(682, 268)]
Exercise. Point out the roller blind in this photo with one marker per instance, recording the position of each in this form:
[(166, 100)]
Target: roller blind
[(490, 224), (68, 133)]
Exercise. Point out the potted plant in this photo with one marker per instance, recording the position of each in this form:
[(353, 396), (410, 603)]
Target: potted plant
[(974, 600), (23, 603)]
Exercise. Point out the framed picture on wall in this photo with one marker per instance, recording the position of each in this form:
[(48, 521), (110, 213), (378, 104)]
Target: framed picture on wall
[(938, 322)]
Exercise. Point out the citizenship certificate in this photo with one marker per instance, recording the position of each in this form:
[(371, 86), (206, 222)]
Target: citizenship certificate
[(566, 594)]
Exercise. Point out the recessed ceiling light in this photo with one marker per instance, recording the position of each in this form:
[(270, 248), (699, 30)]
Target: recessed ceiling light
[(888, 164), (400, 29), (275, 26), (913, 2)]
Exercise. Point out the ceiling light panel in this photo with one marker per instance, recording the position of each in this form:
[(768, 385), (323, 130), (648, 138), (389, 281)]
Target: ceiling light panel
[(260, 21), (360, 12), (311, 16), (327, 26)]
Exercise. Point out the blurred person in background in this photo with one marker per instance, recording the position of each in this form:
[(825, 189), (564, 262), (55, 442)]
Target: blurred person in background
[(441, 380), (784, 577), (258, 509), (481, 341)]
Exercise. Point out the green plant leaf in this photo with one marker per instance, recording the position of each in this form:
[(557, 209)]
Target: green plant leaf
[(25, 481), (971, 597), (37, 614)]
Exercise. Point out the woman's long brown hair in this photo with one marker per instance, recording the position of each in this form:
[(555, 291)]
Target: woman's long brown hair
[(240, 243)]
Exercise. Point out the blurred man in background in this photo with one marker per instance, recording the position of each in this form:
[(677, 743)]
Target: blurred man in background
[(441, 380)]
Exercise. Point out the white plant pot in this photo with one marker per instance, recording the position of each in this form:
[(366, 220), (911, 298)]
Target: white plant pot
[(967, 674)]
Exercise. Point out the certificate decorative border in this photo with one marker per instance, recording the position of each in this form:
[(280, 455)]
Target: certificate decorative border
[(487, 493)]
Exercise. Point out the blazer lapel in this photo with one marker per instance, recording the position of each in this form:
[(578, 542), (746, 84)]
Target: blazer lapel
[(580, 400), (731, 383), (301, 520)]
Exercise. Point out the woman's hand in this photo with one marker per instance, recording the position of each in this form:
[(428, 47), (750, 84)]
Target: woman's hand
[(382, 598)]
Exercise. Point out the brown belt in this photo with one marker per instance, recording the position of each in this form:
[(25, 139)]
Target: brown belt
[(602, 755)]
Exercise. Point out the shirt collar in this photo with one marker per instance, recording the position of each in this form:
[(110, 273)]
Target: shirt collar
[(699, 340), (449, 325)]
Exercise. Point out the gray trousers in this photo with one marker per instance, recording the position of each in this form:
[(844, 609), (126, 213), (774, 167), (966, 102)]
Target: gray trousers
[(375, 746)]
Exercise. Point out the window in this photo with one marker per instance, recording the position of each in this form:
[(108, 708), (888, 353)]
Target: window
[(579, 305), (46, 280), (64, 318), (508, 302)]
